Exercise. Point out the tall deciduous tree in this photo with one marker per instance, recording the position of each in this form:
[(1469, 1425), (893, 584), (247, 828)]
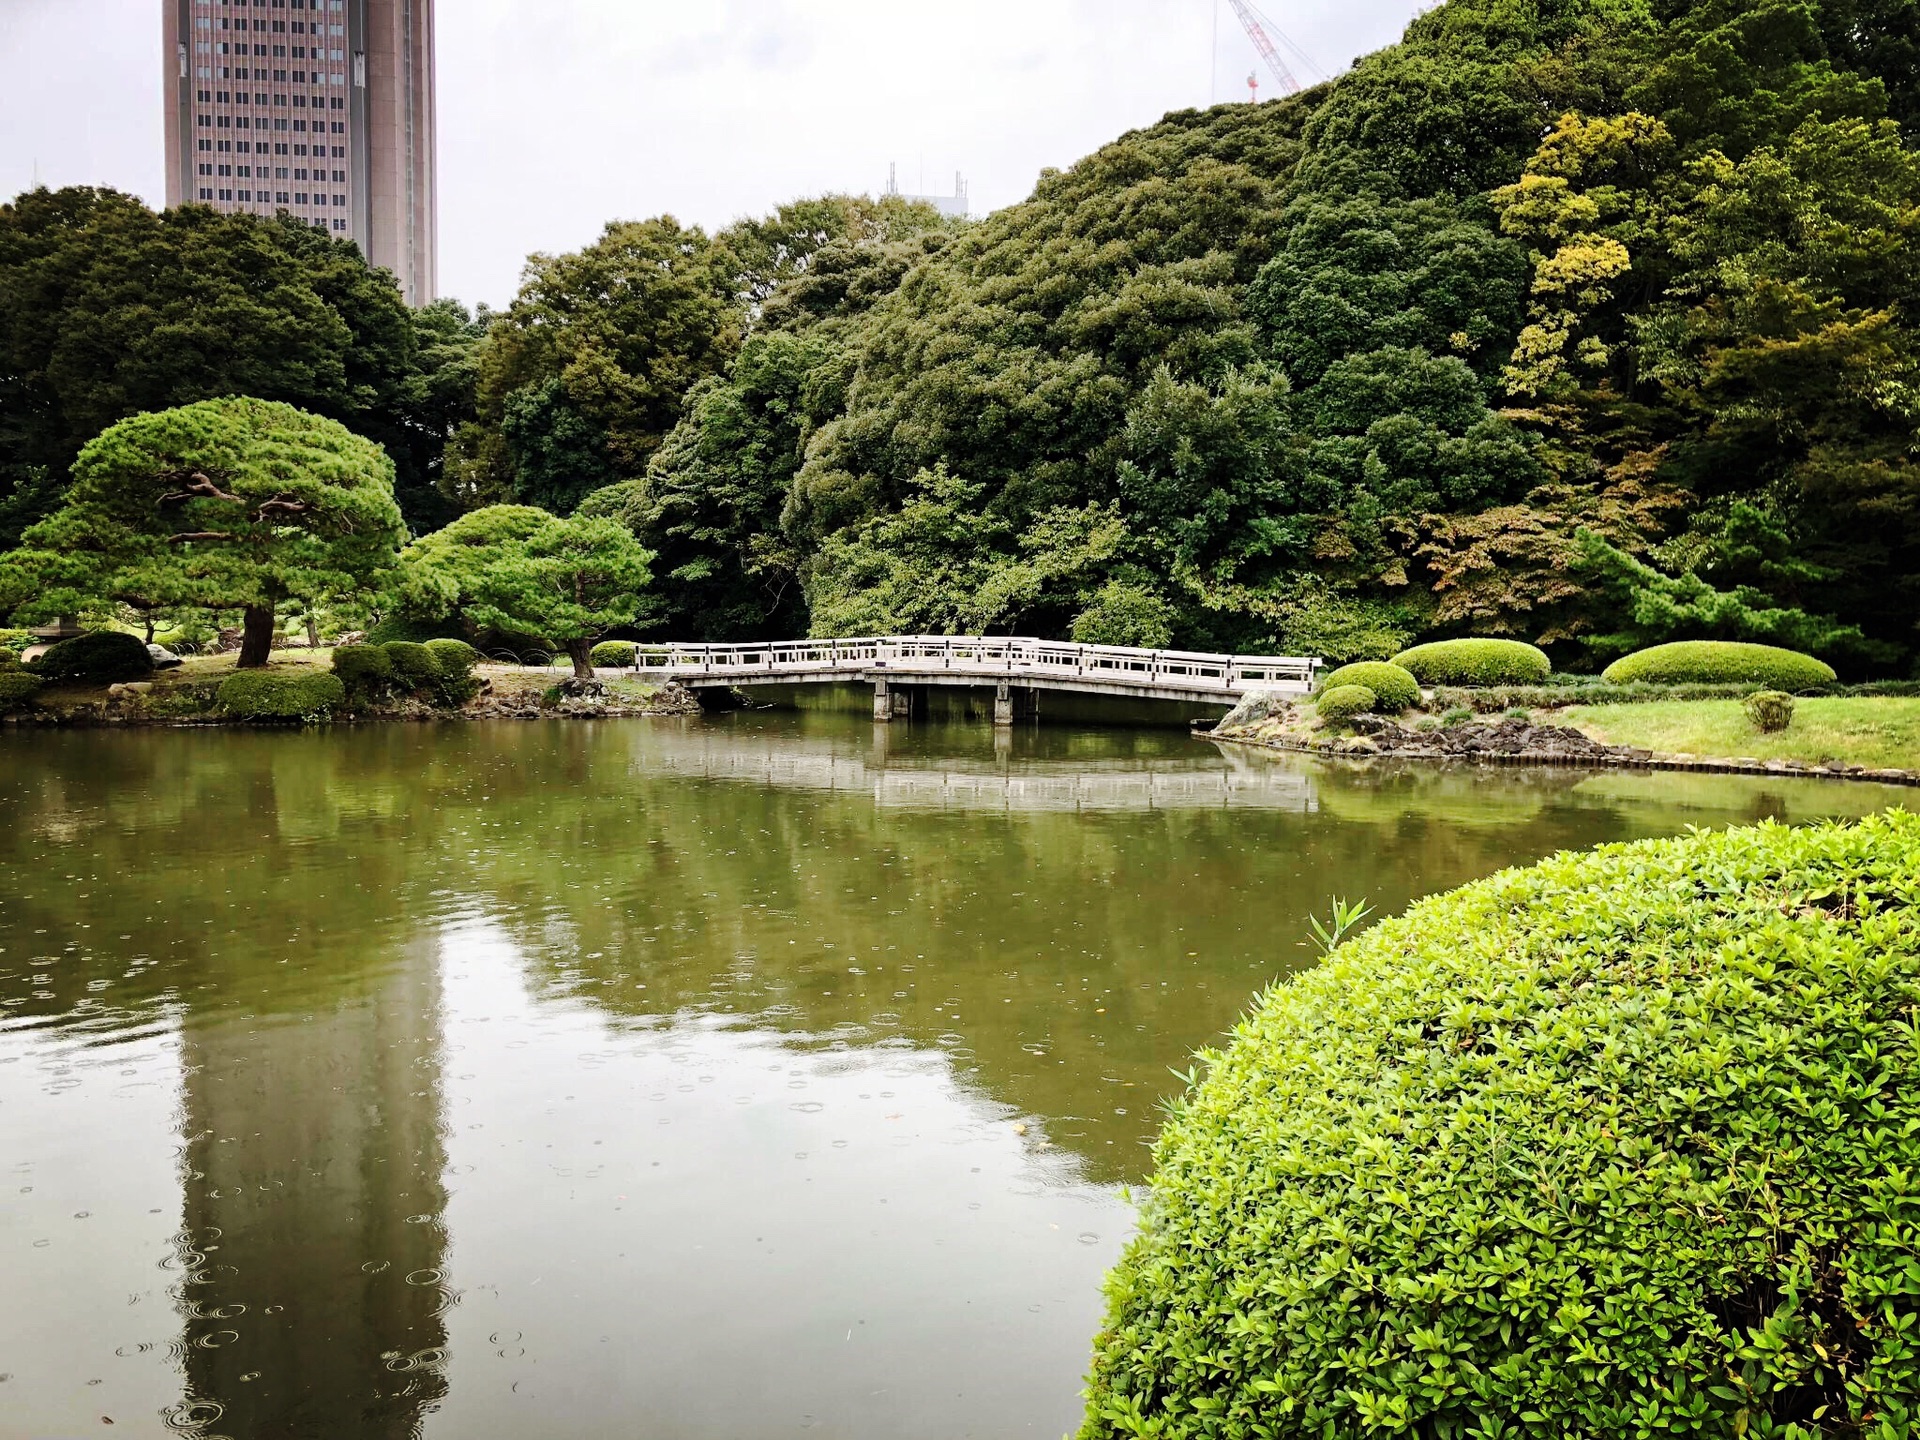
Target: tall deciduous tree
[(518, 568), (225, 504)]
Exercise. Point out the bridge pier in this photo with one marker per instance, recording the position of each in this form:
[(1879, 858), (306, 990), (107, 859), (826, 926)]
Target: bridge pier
[(891, 702), (1014, 702)]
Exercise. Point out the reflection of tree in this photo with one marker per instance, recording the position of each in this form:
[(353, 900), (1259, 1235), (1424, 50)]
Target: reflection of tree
[(314, 1199), (1067, 960)]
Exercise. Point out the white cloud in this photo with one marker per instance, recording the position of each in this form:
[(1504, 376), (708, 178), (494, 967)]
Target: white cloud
[(557, 117)]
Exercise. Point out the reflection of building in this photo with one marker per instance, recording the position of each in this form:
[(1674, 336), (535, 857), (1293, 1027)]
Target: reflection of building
[(314, 1202), (320, 108), (954, 206)]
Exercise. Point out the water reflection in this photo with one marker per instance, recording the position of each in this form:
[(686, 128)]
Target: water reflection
[(712, 1077)]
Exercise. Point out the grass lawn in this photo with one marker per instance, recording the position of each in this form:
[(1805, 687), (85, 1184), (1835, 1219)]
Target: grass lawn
[(1879, 733)]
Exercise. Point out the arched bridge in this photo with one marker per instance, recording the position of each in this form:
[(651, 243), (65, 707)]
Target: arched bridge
[(1015, 668)]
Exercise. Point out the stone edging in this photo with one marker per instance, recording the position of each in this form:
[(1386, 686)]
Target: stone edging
[(1776, 768)]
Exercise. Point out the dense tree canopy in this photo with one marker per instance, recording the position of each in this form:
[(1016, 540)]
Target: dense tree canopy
[(108, 309), (224, 504), (1571, 320)]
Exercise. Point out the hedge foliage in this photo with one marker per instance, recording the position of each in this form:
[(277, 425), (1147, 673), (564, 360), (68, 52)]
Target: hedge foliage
[(1720, 662), (1394, 689), (1622, 1144), (281, 694), (102, 657), (437, 671), (17, 687), (618, 653), (1476, 662), (1343, 702)]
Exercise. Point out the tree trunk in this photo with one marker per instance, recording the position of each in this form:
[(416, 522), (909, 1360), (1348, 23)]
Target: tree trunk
[(256, 636), (313, 632), (581, 652), (149, 619)]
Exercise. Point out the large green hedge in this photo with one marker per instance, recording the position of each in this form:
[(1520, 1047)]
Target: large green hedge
[(1476, 662), (17, 687), (439, 671), (1719, 662), (1394, 688), (101, 657), (1623, 1144), (281, 694)]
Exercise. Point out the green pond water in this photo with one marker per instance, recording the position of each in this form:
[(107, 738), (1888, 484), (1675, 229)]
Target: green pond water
[(753, 1076)]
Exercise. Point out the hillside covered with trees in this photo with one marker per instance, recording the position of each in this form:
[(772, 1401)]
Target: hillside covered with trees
[(1589, 322)]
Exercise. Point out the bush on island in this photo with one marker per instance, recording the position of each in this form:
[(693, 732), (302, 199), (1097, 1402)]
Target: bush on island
[(1769, 710), (1619, 1144), (437, 670), (102, 657), (1343, 702), (1476, 662), (1394, 689), (364, 671), (280, 694), (1719, 662), (17, 687), (615, 653)]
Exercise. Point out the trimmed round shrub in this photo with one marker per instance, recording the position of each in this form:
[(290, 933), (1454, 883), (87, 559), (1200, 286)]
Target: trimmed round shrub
[(1394, 689), (9, 658), (414, 666), (615, 653), (1343, 702), (103, 657), (1719, 662), (455, 658), (280, 694), (1476, 662), (1619, 1144), (17, 687), (364, 671), (1769, 710)]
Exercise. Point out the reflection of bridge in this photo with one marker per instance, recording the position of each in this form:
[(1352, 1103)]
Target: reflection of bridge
[(1202, 780), (897, 665)]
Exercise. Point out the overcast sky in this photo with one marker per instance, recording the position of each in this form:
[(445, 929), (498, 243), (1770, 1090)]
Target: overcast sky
[(558, 115)]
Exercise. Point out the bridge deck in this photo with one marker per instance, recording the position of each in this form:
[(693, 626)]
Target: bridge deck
[(971, 660)]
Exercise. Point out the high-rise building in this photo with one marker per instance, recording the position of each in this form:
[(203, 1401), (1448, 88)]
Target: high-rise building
[(322, 108)]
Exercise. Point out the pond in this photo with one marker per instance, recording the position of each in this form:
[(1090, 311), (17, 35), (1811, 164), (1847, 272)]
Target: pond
[(724, 1077)]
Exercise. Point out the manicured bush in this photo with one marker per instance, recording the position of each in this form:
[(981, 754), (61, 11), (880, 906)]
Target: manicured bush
[(1769, 710), (614, 653), (9, 659), (414, 668), (1621, 1144), (454, 660), (1720, 662), (281, 694), (1476, 662), (1343, 702), (1394, 689), (17, 687), (365, 671), (103, 657)]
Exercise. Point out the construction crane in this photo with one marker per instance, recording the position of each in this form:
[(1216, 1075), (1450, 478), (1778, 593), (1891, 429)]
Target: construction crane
[(1262, 32)]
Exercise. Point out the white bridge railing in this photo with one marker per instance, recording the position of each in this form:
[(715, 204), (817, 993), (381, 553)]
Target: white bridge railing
[(986, 656)]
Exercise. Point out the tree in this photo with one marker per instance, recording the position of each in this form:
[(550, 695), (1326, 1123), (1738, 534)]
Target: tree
[(581, 378), (108, 309), (226, 504), (515, 567)]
